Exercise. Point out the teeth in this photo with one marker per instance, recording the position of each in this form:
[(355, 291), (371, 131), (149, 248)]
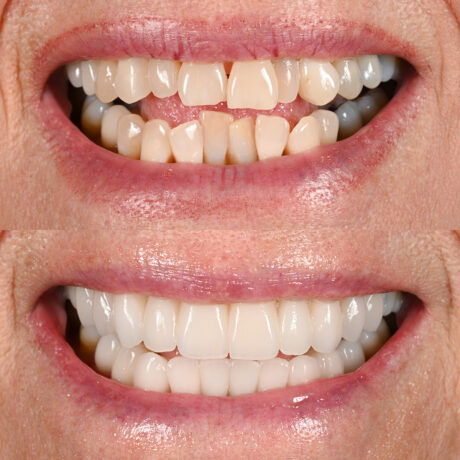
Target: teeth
[(350, 78), (131, 82), (350, 121), (89, 338), (129, 140), (109, 127), (374, 312), (373, 341), (187, 142), (371, 71), (74, 74), (295, 326), (91, 117), (252, 85), (105, 81), (271, 136), (162, 76), (390, 67), (305, 136), (106, 351), (84, 305), (149, 372), (103, 312), (155, 142), (242, 145), (328, 126), (244, 376), (215, 377), (319, 81), (202, 84), (129, 318), (371, 103), (354, 315), (123, 365), (326, 319), (89, 71), (184, 375), (274, 373), (352, 355), (330, 364), (288, 76), (303, 369), (71, 294), (392, 302), (215, 131)]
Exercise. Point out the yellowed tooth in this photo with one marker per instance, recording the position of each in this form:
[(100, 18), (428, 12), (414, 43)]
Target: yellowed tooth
[(215, 131), (242, 144), (350, 78), (155, 142), (252, 85), (319, 81), (288, 75), (91, 117), (105, 81), (305, 136), (187, 142), (131, 82), (109, 129), (328, 124), (74, 74), (163, 77), (89, 71), (130, 128), (271, 135)]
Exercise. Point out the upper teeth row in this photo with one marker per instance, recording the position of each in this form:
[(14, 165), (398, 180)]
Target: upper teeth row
[(257, 84)]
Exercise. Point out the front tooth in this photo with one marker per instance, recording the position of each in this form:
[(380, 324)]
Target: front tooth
[(131, 82), (274, 373), (91, 117), (319, 81), (295, 326), (105, 81), (184, 375), (74, 74), (305, 136), (241, 142), (187, 142), (371, 71), (254, 330), (129, 318), (354, 315), (202, 84), (374, 312), (326, 318), (89, 71), (350, 78), (123, 365), (244, 376), (352, 355), (373, 341), (202, 331), (271, 135), (103, 312), (288, 76), (215, 377), (330, 364), (84, 305), (149, 372), (215, 131), (350, 121), (129, 140), (371, 103), (303, 369), (109, 127), (155, 142), (252, 85), (106, 352), (328, 126), (162, 77)]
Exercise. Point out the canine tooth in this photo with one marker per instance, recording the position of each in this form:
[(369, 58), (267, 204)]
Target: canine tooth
[(109, 127), (105, 81), (371, 71), (103, 312), (215, 132), (162, 76), (328, 126), (187, 142), (202, 331), (271, 136), (131, 82), (326, 319), (91, 117), (319, 81), (374, 312), (129, 318), (330, 364), (371, 103), (215, 377), (244, 376), (89, 71), (252, 85), (129, 140), (253, 330), (350, 121), (305, 136), (241, 142), (155, 142), (274, 373), (288, 76), (123, 365), (183, 375), (106, 351), (74, 74), (392, 302), (84, 305), (352, 355), (303, 369), (350, 78), (202, 83), (89, 338), (390, 67), (354, 315), (149, 372), (372, 341), (295, 327)]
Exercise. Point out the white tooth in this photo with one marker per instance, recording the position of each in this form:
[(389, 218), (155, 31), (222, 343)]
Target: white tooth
[(84, 305), (103, 312), (149, 372), (371, 71), (303, 369), (184, 375), (106, 352), (215, 131), (374, 311), (155, 142), (241, 142), (390, 67), (129, 318), (202, 83), (350, 121), (330, 364), (109, 128), (274, 373), (319, 81), (328, 126), (89, 71), (71, 294), (252, 85), (295, 326), (105, 81), (371, 103), (129, 141), (131, 81), (392, 302), (187, 142), (162, 77), (202, 331), (123, 365), (383, 331), (215, 377), (305, 136), (74, 74), (354, 315), (372, 341), (352, 355), (89, 338), (244, 376), (288, 76), (91, 117), (160, 324), (254, 330), (350, 78), (271, 136), (326, 319)]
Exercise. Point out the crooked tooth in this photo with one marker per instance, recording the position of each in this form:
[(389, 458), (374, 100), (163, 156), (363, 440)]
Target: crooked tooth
[(91, 117), (244, 377), (295, 327), (129, 140), (392, 302), (326, 319), (271, 136), (371, 71), (202, 331), (303, 369), (123, 365), (354, 315), (319, 81), (330, 364), (350, 121), (252, 85), (215, 132), (131, 81), (374, 312), (106, 352), (187, 142), (328, 126), (109, 127), (84, 306), (274, 373), (372, 341), (305, 136), (241, 142), (371, 103), (103, 312), (352, 355), (149, 372), (350, 78), (215, 377), (105, 81), (288, 76), (155, 142), (202, 83), (74, 74), (129, 318), (183, 375), (162, 77), (89, 71)]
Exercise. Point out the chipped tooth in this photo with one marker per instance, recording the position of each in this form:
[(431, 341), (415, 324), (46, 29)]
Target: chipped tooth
[(91, 117), (129, 140), (374, 311), (103, 312), (202, 331), (162, 77), (350, 121), (149, 372), (106, 351), (274, 373), (215, 377), (271, 136), (89, 71), (319, 81), (371, 103), (288, 76), (84, 305), (354, 315), (305, 136), (295, 327), (74, 74), (183, 375), (350, 78), (109, 127), (105, 81), (187, 142), (303, 369), (352, 355), (252, 85), (123, 365), (372, 341), (328, 126), (155, 142), (215, 132), (89, 338), (131, 82), (330, 364), (326, 319), (244, 376), (241, 142), (129, 318), (202, 83), (371, 71)]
